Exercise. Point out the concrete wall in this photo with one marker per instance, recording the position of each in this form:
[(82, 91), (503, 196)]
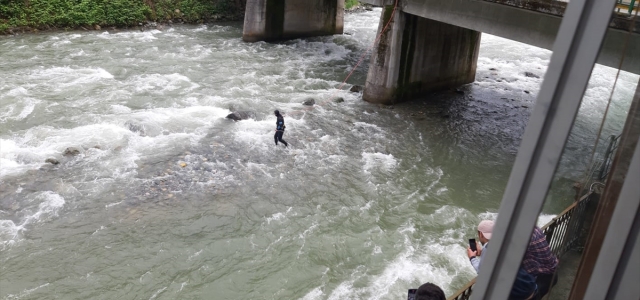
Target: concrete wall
[(417, 55), (272, 20), (255, 20), (382, 79), (436, 56)]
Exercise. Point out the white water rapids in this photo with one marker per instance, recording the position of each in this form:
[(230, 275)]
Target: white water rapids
[(367, 202)]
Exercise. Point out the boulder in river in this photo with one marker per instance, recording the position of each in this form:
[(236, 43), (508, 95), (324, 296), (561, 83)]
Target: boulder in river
[(339, 100), (309, 102), (529, 74), (134, 126), (241, 115), (71, 151), (52, 161), (356, 89)]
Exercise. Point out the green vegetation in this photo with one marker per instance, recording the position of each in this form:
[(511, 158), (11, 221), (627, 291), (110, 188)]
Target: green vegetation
[(351, 3), (121, 13)]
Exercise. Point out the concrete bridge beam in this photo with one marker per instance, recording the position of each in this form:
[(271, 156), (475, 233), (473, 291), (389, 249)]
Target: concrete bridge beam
[(533, 22), (273, 20), (417, 55)]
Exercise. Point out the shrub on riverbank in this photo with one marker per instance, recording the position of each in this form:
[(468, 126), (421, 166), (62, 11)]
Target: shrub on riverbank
[(44, 14), (348, 4)]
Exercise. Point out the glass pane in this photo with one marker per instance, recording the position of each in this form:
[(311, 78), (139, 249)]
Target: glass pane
[(586, 160), (587, 156)]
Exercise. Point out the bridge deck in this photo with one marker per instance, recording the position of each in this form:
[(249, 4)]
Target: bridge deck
[(552, 7), (533, 22)]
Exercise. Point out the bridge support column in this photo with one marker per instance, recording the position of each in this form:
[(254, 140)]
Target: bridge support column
[(273, 20), (417, 55)]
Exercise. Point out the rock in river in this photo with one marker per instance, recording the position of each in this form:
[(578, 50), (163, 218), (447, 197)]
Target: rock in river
[(134, 126), (356, 89), (71, 151), (241, 115), (52, 161), (309, 102)]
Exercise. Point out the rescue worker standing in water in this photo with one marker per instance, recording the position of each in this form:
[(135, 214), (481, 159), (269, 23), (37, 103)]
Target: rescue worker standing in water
[(279, 128)]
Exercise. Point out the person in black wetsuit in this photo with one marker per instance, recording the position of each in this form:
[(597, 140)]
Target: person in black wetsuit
[(279, 128)]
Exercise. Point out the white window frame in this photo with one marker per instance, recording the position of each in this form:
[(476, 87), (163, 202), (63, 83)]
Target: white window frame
[(575, 51)]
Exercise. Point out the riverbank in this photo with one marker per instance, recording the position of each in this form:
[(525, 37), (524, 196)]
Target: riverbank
[(18, 17)]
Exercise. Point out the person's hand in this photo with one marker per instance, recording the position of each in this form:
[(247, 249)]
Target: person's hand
[(471, 253), (479, 247)]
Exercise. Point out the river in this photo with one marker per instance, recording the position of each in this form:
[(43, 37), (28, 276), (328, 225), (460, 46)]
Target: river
[(167, 199)]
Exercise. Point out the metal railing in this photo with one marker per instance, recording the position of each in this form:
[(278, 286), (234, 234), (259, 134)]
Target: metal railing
[(562, 233), (624, 4), (608, 157)]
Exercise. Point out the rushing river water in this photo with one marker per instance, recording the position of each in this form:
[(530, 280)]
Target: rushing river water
[(167, 199)]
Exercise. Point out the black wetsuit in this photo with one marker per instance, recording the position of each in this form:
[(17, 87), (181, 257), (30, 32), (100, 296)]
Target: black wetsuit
[(280, 131)]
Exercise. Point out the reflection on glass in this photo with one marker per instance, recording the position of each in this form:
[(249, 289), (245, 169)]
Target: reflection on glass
[(586, 160)]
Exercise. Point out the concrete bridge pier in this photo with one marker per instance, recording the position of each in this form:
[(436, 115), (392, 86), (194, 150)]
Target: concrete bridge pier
[(273, 20), (417, 55)]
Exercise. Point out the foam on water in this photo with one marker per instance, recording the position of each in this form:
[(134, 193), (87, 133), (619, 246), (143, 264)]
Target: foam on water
[(315, 293), (417, 262), (279, 216), (69, 77), (201, 28), (29, 152), (9, 232), (451, 217), (438, 259), (120, 109), (78, 53), (195, 53), (158, 292), (163, 127), (15, 104), (505, 60), (18, 92), (145, 36), (14, 159), (161, 83), (26, 292), (378, 160), (543, 219), (27, 110), (48, 206), (112, 204)]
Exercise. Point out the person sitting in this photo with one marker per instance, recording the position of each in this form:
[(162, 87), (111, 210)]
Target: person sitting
[(524, 286), (429, 291)]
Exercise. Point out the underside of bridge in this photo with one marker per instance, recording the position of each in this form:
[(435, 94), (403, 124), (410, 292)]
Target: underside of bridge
[(417, 55), (273, 20), (433, 44)]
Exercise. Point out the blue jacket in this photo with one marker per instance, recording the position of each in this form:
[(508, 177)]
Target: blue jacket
[(280, 123)]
